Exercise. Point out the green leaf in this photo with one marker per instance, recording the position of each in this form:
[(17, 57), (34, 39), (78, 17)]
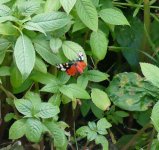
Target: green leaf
[(34, 130), (68, 5), (8, 18), (100, 99), (71, 50), (4, 10), (33, 27), (154, 116), (52, 87), (7, 29), (99, 49), (52, 5), (57, 133), (55, 99), (40, 65), (102, 125), (4, 71), (113, 16), (47, 110), (151, 72), (96, 111), (83, 131), (74, 91), (87, 13), (24, 106), (96, 76), (9, 116), (82, 81), (4, 43), (27, 8), (55, 44), (122, 114), (63, 77), (78, 25), (103, 141), (4, 1), (85, 107), (91, 135), (43, 49), (24, 54), (51, 21), (17, 130)]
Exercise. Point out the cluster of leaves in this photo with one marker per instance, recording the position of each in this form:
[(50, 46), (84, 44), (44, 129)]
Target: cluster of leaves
[(37, 35)]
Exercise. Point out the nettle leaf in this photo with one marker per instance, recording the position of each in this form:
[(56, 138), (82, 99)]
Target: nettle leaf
[(100, 99), (82, 81), (4, 10), (91, 135), (57, 133), (151, 72), (40, 65), (24, 54), (33, 27), (4, 1), (34, 130), (154, 116), (4, 43), (55, 44), (102, 125), (52, 87), (9, 116), (71, 49), (51, 21), (18, 129), (83, 131), (63, 77), (103, 141), (74, 91), (113, 16), (43, 49), (96, 76), (55, 99), (87, 13), (68, 5), (47, 110), (99, 49), (52, 5), (78, 25), (4, 71), (28, 8), (24, 106)]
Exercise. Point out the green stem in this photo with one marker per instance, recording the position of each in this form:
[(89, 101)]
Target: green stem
[(74, 129)]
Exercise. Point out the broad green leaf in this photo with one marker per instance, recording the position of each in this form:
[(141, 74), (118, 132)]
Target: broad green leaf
[(103, 141), (52, 87), (33, 27), (51, 21), (99, 49), (91, 135), (83, 131), (16, 77), (43, 49), (27, 8), (24, 106), (68, 5), (78, 25), (8, 29), (100, 99), (40, 65), (55, 99), (71, 50), (34, 98), (96, 76), (57, 133), (102, 125), (2, 55), (43, 78), (9, 116), (4, 1), (47, 110), (87, 13), (96, 111), (55, 44), (8, 18), (4, 43), (85, 107), (74, 90), (154, 116), (24, 54), (4, 71), (92, 125), (17, 130), (151, 72), (4, 10), (63, 77), (52, 5), (113, 16), (82, 81), (95, 3), (34, 130)]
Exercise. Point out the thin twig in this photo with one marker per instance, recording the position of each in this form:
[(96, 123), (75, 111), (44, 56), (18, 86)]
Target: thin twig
[(112, 136)]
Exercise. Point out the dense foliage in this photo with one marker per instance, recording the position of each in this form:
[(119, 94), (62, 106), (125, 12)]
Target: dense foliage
[(113, 104)]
